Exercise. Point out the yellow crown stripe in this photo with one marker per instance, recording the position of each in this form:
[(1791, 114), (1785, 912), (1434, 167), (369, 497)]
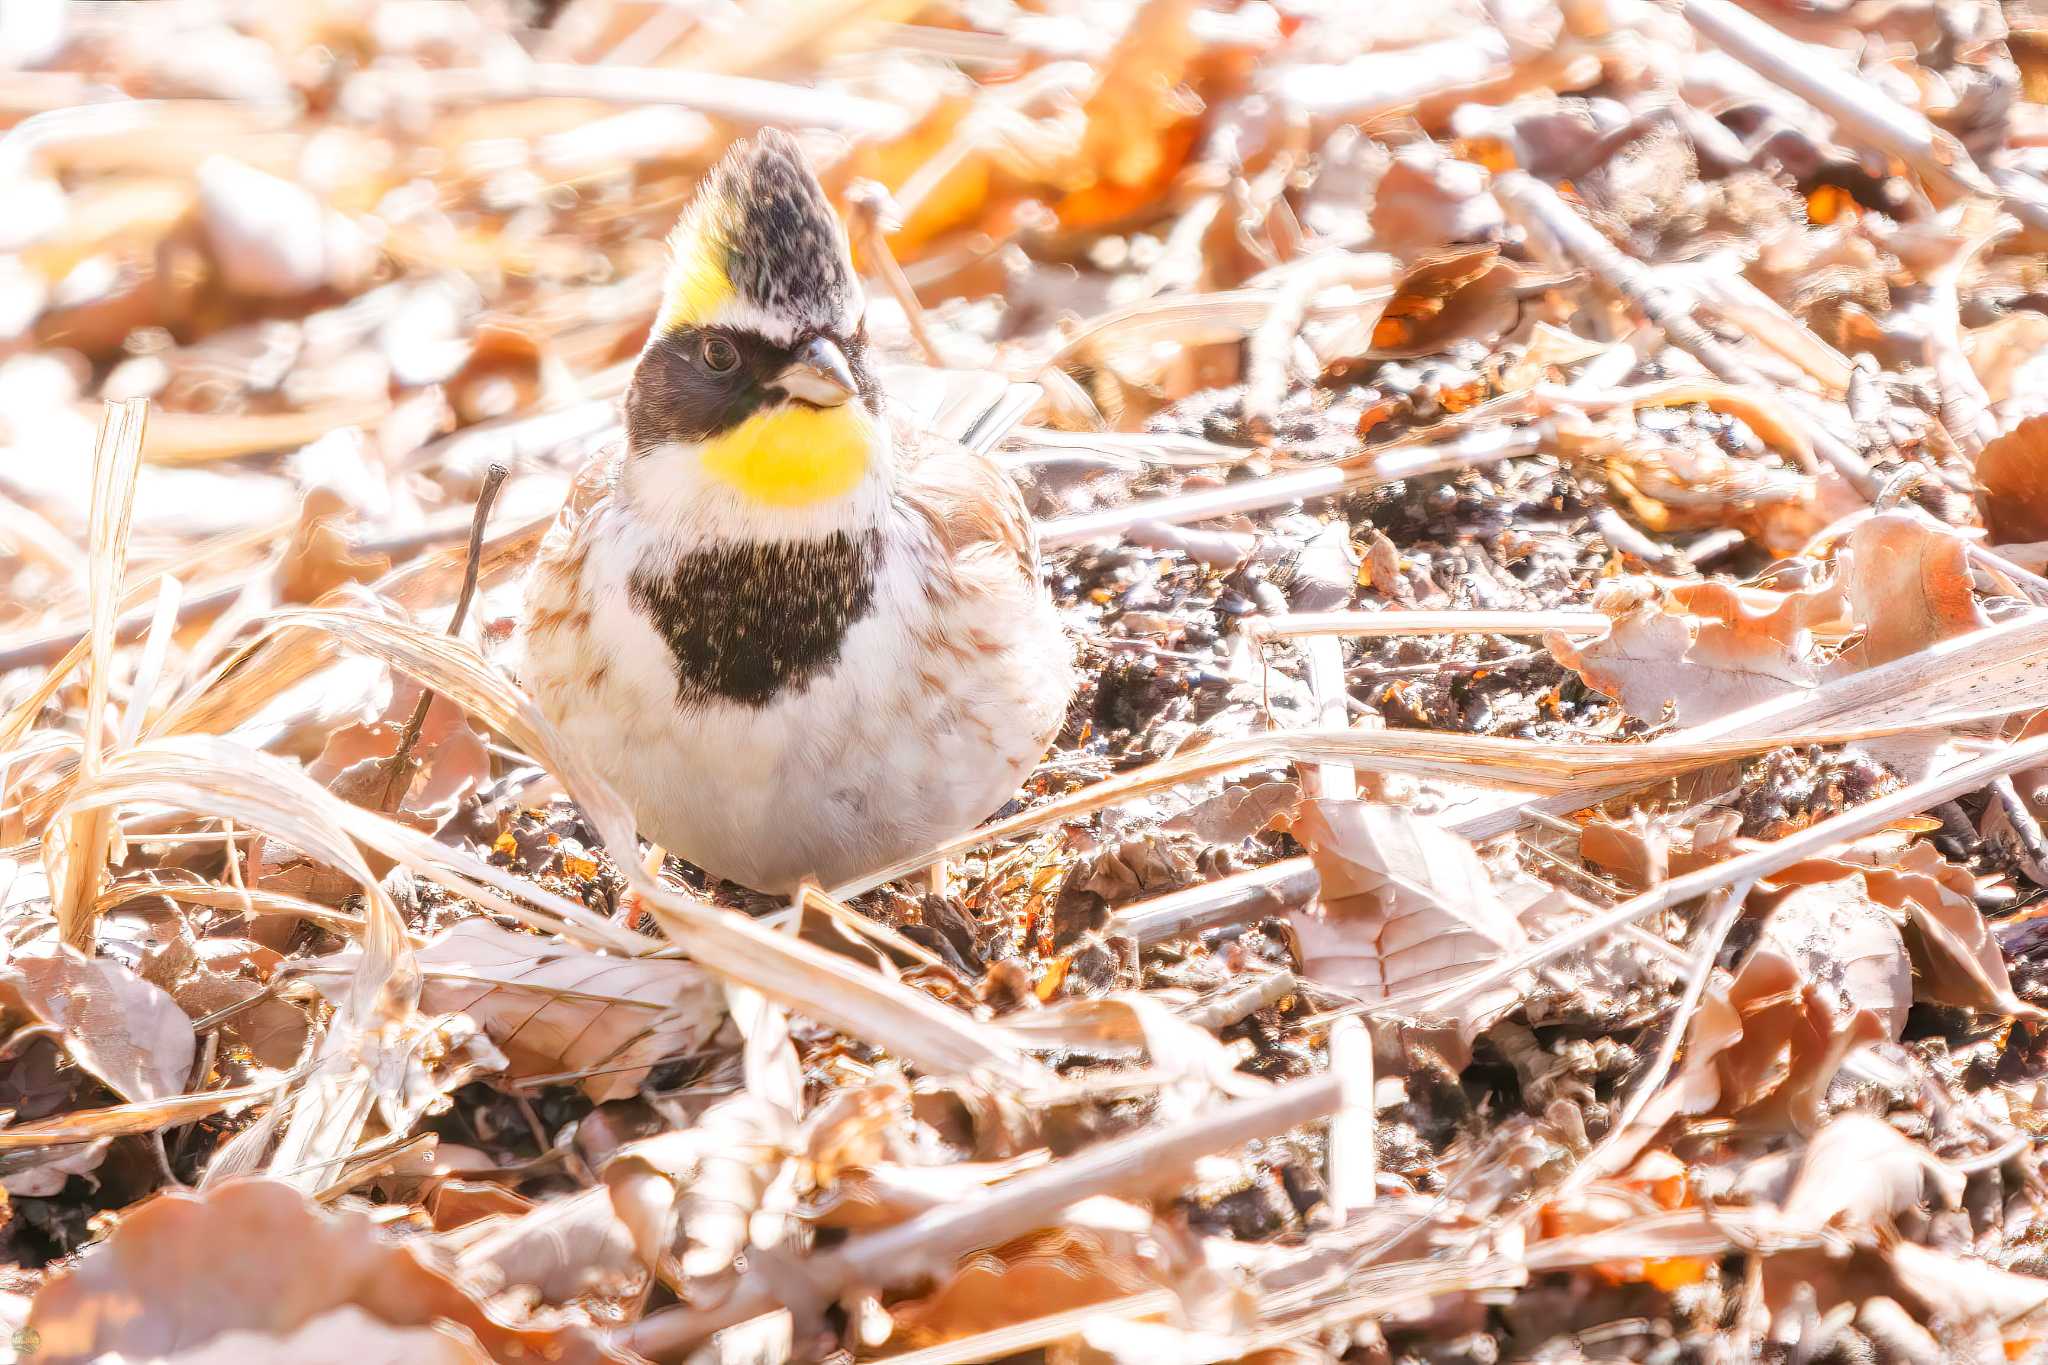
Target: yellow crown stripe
[(697, 285), (792, 457)]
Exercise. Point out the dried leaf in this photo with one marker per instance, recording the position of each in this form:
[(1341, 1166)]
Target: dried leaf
[(154, 1286), (1849, 951), (451, 760), (320, 557), (1955, 957), (1890, 1173), (1827, 975), (553, 1007), (561, 1249), (2012, 482), (1654, 656), (1233, 816), (1043, 1272), (123, 1030), (1404, 904), (1648, 849), (1952, 1287), (1909, 587)]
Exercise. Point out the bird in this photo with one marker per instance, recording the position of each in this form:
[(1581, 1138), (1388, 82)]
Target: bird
[(803, 637)]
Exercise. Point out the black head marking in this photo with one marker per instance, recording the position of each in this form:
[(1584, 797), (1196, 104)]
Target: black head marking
[(745, 622), (785, 252), (677, 395)]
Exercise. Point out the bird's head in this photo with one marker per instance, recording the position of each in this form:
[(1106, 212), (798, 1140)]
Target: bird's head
[(754, 401)]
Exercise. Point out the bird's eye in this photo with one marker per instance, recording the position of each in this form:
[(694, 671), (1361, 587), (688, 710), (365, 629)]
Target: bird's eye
[(720, 355)]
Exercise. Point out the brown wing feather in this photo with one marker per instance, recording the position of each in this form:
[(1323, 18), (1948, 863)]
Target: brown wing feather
[(558, 564), (975, 512)]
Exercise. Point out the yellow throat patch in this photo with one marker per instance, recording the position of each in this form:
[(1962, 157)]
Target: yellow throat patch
[(793, 456)]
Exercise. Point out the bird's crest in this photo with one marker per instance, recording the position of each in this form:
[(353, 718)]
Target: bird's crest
[(760, 246)]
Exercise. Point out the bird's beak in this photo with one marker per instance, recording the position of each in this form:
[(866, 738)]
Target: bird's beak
[(819, 375)]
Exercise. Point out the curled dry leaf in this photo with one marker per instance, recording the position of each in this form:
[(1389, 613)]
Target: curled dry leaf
[(1140, 124), (1703, 655), (886, 1193), (1848, 950), (1955, 958), (1195, 1066), (559, 1250), (1956, 1287), (451, 760), (154, 1286), (2012, 483), (555, 1008), (1039, 1273), (40, 1173), (1828, 974), (1426, 200), (710, 1181), (1645, 849), (1909, 587), (1232, 816), (270, 1031), (1893, 1174), (128, 1033), (320, 557)]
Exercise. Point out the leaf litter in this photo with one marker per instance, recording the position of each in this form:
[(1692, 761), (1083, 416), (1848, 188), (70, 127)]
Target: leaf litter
[(1547, 860)]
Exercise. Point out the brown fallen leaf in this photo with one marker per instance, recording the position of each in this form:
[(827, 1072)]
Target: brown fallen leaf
[(128, 1033), (452, 759), (1956, 1287), (1849, 951), (2012, 483), (1827, 975), (319, 557), (1426, 201), (1657, 653), (1646, 849), (1893, 1175), (2007, 357), (346, 1336), (1404, 905), (1235, 815), (1039, 1273), (703, 1186), (271, 1031), (453, 1202), (154, 1286), (1909, 587), (1140, 124), (553, 1007), (561, 1249), (1956, 960)]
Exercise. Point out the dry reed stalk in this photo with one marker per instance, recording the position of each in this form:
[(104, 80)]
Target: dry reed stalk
[(78, 857)]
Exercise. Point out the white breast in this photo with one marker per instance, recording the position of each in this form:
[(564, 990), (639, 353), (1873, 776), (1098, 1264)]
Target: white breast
[(934, 712)]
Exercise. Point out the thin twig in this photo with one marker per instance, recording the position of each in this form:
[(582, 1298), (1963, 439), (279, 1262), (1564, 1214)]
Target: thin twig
[(1857, 105), (1139, 1164), (1535, 202), (398, 773), (874, 216)]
